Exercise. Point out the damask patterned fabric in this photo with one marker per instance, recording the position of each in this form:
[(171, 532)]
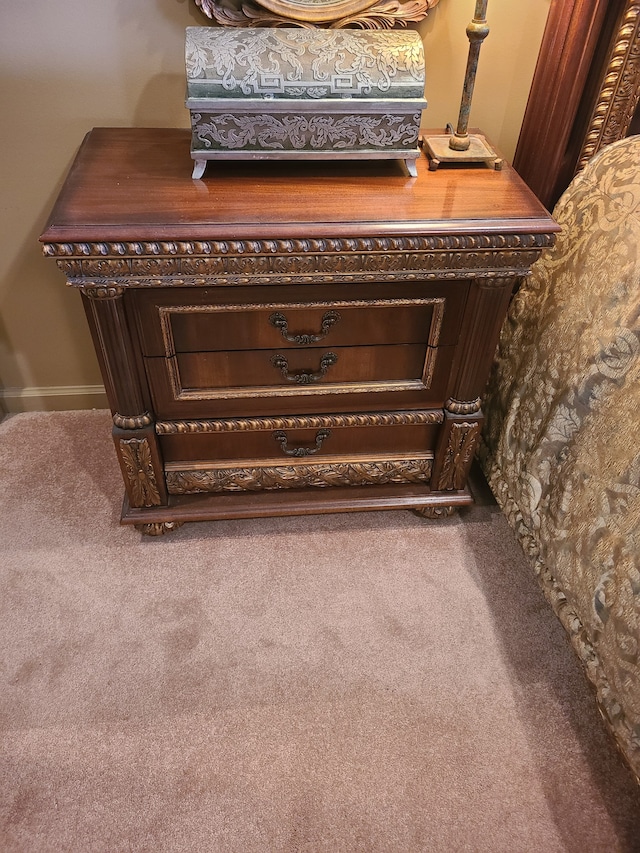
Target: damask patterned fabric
[(561, 445)]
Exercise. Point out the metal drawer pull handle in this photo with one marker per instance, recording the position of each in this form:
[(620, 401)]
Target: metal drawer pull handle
[(329, 319), (281, 438), (306, 377)]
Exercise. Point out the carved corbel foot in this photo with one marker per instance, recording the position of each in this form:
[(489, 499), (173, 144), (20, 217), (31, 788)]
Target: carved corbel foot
[(158, 528), (435, 512)]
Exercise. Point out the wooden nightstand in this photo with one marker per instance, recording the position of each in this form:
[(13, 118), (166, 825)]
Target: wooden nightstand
[(287, 338)]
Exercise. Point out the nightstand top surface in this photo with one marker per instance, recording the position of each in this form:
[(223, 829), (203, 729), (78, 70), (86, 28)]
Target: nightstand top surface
[(135, 184)]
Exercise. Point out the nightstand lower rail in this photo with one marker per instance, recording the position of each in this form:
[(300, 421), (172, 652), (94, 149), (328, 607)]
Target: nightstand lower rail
[(216, 507)]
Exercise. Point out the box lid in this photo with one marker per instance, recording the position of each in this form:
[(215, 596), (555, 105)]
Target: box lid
[(303, 64)]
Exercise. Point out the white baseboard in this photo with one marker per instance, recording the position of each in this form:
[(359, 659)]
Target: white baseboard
[(54, 398)]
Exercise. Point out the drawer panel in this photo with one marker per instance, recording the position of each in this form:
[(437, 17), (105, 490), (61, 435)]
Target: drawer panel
[(223, 327), (182, 387), (285, 439), (207, 319), (207, 371)]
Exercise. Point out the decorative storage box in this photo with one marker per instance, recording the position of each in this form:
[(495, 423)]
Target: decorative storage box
[(293, 93)]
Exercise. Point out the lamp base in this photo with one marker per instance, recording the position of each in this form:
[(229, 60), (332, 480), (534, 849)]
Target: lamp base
[(439, 152)]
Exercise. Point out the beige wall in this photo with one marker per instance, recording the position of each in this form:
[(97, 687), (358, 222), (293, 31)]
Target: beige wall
[(68, 66)]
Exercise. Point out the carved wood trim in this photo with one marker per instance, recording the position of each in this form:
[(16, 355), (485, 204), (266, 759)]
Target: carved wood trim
[(158, 528), (417, 418), (299, 476), (463, 439), (286, 247), (524, 261), (138, 465), (232, 270), (104, 291), (436, 512), (134, 422), (620, 90), (99, 268), (366, 14), (173, 248), (459, 407)]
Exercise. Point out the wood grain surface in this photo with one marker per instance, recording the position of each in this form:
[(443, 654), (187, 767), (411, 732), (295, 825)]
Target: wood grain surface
[(135, 183)]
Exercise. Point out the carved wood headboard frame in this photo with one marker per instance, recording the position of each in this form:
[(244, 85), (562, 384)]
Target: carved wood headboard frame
[(335, 14), (585, 91), (619, 91)]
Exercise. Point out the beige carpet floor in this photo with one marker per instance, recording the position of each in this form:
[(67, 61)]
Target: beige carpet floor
[(358, 682)]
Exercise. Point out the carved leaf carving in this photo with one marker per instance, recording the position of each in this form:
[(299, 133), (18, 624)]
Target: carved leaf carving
[(298, 476), (462, 445), (136, 457)]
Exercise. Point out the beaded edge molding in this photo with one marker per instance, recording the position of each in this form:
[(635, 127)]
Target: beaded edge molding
[(457, 242), (104, 267), (299, 422)]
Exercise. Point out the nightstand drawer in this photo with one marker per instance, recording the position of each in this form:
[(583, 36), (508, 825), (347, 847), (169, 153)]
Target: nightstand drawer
[(280, 439), (299, 452), (285, 325), (295, 368), (219, 384), (247, 318)]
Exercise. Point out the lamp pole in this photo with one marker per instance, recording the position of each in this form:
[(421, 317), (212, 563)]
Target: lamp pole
[(458, 146), (477, 31)]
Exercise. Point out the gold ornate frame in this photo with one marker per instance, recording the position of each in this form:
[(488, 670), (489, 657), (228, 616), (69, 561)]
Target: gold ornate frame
[(335, 14), (620, 88)]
